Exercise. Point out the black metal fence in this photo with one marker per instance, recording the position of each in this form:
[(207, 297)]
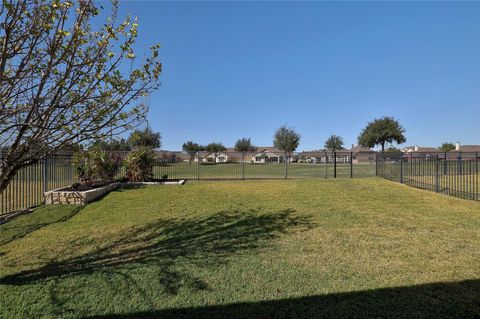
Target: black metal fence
[(454, 174), (27, 187), (235, 165)]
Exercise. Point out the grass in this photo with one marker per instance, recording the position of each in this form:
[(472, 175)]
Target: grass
[(246, 249), (27, 188), (252, 171)]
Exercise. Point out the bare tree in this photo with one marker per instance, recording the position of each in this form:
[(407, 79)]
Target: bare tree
[(62, 82)]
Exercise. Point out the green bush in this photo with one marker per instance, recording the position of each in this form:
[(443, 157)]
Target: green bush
[(94, 165), (139, 164)]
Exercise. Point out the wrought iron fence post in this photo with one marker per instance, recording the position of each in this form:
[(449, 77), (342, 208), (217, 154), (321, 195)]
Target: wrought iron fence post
[(334, 164), (44, 174), (459, 163), (401, 170), (351, 164), (437, 180), (286, 165), (326, 163), (476, 162), (198, 165), (445, 164), (54, 171), (376, 164), (476, 177), (243, 165)]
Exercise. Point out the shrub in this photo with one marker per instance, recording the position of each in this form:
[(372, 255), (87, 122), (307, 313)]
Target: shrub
[(138, 165), (93, 165)]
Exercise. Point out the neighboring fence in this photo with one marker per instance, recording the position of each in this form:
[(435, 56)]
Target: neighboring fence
[(454, 174), (26, 188)]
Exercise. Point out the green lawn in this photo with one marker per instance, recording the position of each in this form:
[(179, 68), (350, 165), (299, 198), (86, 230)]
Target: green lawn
[(246, 249), (256, 171)]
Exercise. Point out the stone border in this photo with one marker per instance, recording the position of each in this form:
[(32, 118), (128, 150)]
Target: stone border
[(62, 196), (167, 182)]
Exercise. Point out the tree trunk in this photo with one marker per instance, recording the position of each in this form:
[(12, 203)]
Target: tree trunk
[(383, 147), (7, 173)]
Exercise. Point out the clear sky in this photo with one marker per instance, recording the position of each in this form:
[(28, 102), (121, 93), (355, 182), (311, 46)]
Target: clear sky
[(242, 69)]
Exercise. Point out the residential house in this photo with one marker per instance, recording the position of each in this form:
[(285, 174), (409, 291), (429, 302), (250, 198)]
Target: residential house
[(467, 148), (313, 157), (420, 149), (357, 154), (181, 156), (163, 156), (201, 157), (465, 151), (217, 158), (460, 152), (208, 157), (268, 155), (363, 154)]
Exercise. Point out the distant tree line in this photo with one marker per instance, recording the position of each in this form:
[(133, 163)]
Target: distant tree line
[(378, 132)]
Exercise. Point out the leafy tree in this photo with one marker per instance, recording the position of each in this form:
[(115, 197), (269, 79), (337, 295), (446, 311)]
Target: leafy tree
[(215, 148), (64, 81), (393, 149), (381, 131), (447, 147), (244, 145), (286, 139), (334, 143), (144, 138), (192, 148)]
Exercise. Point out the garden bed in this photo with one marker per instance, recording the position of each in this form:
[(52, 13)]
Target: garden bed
[(68, 195), (81, 195)]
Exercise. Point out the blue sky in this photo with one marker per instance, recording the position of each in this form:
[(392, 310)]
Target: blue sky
[(242, 69)]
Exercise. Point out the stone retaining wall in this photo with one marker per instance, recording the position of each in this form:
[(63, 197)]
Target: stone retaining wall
[(64, 196)]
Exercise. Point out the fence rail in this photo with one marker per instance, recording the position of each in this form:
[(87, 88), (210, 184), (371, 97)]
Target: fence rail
[(441, 173)]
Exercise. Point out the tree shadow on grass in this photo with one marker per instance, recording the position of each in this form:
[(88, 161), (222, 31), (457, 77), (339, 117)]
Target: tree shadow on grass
[(436, 300), (26, 224), (168, 244)]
